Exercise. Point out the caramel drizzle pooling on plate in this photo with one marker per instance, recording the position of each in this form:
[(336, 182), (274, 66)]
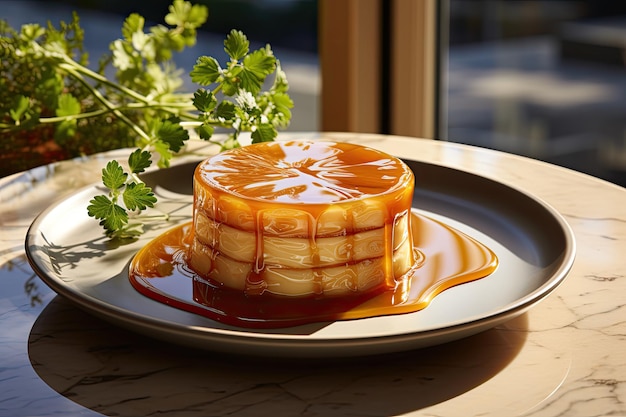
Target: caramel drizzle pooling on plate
[(450, 258), (286, 192)]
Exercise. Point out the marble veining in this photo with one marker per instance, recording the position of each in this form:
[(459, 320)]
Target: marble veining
[(564, 357)]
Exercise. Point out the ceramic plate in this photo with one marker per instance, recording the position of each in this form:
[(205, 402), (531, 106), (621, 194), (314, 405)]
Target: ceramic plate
[(534, 244)]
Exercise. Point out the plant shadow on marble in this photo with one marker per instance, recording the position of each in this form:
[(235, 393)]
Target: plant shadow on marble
[(18, 271), (116, 372)]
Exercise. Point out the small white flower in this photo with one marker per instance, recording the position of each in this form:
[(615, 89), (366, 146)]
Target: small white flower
[(246, 100)]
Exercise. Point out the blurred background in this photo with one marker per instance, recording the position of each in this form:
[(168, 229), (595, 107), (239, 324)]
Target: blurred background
[(544, 79)]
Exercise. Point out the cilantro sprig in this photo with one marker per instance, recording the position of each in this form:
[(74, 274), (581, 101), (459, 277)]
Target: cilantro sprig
[(48, 88), (124, 192)]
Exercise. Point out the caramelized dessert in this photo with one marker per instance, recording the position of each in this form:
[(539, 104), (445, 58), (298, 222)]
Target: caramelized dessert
[(301, 219), (291, 233)]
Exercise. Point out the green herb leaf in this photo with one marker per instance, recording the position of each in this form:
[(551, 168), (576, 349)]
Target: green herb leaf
[(204, 100), (205, 131), (138, 161), (206, 71), (68, 105), (230, 87), (197, 15), (20, 106), (179, 11), (231, 143), (113, 175), (138, 196), (163, 149), (182, 13), (261, 63), (264, 132), (225, 110), (257, 66), (116, 219), (280, 80), (283, 104), (30, 32), (236, 45), (99, 207), (134, 23), (112, 217), (171, 132)]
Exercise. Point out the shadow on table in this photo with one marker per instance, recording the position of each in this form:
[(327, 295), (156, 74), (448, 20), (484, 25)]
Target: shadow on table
[(116, 372)]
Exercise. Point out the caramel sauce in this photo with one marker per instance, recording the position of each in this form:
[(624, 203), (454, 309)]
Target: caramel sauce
[(305, 173), (445, 257)]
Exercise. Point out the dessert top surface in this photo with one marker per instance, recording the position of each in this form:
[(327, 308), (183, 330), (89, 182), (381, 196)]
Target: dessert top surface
[(305, 172)]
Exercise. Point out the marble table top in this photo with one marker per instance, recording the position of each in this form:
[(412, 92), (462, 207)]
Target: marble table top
[(563, 357)]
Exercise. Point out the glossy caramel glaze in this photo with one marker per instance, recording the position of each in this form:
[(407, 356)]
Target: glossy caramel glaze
[(302, 218), (304, 172), (445, 257)]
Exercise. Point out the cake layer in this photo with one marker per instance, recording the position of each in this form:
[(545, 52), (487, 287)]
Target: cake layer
[(298, 252), (297, 282), (332, 220)]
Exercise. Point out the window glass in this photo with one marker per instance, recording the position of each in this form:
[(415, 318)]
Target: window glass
[(544, 79)]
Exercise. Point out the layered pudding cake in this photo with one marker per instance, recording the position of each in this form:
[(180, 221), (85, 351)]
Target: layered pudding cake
[(302, 219)]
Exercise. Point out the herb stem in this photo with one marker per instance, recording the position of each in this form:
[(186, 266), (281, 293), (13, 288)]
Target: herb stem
[(106, 103), (69, 63), (129, 106)]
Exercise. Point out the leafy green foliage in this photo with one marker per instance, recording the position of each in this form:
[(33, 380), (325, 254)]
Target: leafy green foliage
[(135, 195), (171, 132), (68, 105), (240, 80), (139, 161), (204, 100), (206, 71), (236, 45), (48, 91), (112, 217), (264, 133), (138, 196), (20, 106), (113, 176), (188, 16)]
